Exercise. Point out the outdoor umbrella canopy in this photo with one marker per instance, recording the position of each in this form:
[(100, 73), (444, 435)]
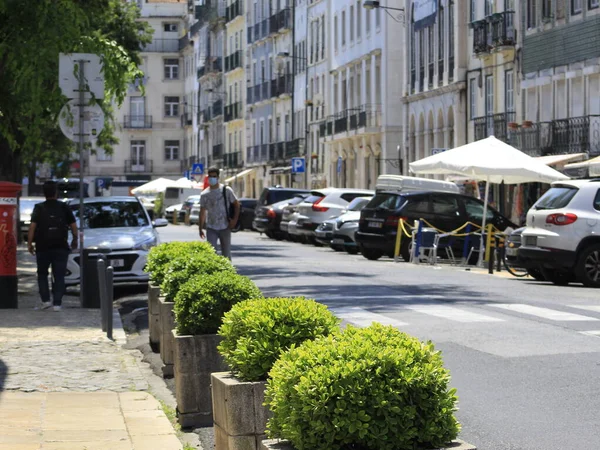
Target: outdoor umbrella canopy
[(154, 186), (489, 160)]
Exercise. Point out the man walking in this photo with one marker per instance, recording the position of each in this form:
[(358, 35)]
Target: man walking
[(219, 210), (49, 230)]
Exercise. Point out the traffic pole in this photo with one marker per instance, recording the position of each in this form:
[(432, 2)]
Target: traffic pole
[(82, 261)]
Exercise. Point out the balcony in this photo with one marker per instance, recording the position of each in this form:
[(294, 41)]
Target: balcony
[(493, 32), (533, 140), (493, 125), (162, 46), (217, 109), (576, 135), (233, 112), (281, 20), (233, 160), (186, 119), (234, 10), (249, 95), (292, 148), (282, 85), (184, 41), (480, 37), (340, 122), (138, 165), (257, 154), (209, 12), (137, 122), (233, 61), (217, 152)]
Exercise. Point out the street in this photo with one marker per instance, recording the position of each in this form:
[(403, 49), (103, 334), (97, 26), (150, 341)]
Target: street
[(523, 355)]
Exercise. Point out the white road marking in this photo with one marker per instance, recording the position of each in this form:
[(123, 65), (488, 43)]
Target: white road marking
[(594, 308), (364, 318), (594, 333), (544, 313), (452, 313)]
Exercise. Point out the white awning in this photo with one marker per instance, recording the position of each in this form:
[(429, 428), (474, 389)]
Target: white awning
[(242, 174), (553, 160), (280, 170), (593, 166)]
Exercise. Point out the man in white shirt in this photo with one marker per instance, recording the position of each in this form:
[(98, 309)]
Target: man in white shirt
[(219, 211)]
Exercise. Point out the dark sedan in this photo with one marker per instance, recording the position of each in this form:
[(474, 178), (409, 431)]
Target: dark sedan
[(267, 219), (248, 205)]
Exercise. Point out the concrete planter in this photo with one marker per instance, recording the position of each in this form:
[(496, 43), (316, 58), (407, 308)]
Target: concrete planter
[(240, 419), (167, 324), (153, 317), (277, 444), (195, 358)]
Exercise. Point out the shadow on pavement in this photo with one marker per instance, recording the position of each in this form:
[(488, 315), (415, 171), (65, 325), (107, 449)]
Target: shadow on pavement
[(3, 375), (255, 272)]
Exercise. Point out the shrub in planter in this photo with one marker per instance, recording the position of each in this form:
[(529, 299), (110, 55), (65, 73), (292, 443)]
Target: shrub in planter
[(184, 267), (160, 257), (256, 332), (203, 300), (372, 388)]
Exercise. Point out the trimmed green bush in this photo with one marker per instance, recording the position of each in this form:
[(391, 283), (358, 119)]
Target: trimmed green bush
[(203, 300), (372, 388), (184, 267), (160, 257), (256, 332)]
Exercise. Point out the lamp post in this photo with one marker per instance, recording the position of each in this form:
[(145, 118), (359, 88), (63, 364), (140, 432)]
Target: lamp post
[(306, 129), (375, 4)]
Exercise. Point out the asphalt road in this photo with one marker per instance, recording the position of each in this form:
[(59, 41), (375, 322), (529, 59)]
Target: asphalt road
[(524, 355)]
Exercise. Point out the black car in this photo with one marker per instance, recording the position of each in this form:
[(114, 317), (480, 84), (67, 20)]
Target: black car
[(267, 215), (376, 235), (247, 207)]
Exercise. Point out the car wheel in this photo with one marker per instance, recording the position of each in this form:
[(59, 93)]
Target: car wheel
[(336, 248), (269, 234), (536, 274), (557, 277), (588, 266), (352, 250), (371, 254)]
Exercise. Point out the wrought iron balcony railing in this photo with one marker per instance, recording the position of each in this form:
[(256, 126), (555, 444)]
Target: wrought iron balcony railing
[(282, 85), (162, 46), (217, 152), (480, 37), (138, 165), (233, 61), (233, 160), (493, 125), (217, 109), (503, 29), (137, 122), (233, 112), (234, 10)]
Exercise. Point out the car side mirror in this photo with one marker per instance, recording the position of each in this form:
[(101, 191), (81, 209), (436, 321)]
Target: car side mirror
[(157, 223)]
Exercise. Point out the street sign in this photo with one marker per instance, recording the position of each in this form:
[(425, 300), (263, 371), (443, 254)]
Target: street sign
[(298, 165), (198, 169), (435, 151), (187, 174), (93, 121), (339, 164), (68, 75)]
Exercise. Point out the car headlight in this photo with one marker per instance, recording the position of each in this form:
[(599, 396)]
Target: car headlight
[(146, 244), (348, 223)]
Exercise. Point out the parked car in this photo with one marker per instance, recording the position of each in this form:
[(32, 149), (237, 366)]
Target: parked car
[(276, 194), (290, 213), (511, 255), (562, 234), (247, 208), (26, 205), (268, 218), (447, 211), (122, 225), (324, 204), (346, 226), (324, 232), (191, 207), (173, 209)]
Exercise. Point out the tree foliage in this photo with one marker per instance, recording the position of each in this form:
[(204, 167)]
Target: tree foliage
[(32, 35)]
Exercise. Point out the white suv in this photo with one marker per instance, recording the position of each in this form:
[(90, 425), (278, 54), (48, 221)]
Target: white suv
[(562, 236)]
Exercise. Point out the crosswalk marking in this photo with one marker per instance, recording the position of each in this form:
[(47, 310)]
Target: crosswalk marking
[(364, 318), (452, 313), (594, 308), (544, 313), (595, 333)]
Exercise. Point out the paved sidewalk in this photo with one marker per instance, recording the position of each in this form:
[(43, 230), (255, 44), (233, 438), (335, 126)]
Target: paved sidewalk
[(64, 385)]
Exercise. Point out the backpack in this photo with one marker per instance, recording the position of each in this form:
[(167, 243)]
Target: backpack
[(52, 230), (229, 208)]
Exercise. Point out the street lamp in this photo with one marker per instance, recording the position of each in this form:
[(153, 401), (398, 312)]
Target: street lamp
[(375, 4)]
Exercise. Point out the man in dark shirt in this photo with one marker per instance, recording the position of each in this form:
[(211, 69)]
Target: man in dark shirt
[(49, 230)]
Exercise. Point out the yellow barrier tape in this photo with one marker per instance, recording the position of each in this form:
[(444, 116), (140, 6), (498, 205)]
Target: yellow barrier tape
[(454, 232)]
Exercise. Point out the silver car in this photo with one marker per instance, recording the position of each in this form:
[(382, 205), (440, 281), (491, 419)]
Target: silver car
[(338, 232)]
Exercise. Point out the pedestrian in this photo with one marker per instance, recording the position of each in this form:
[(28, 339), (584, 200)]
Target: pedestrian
[(49, 230), (219, 211)]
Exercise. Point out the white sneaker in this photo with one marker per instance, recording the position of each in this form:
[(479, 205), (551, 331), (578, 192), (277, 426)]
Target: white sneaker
[(46, 305), (57, 308)]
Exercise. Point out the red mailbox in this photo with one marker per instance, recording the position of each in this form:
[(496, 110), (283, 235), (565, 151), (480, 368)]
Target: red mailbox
[(8, 244)]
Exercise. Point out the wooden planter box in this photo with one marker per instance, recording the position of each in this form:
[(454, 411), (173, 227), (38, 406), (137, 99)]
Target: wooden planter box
[(240, 419), (153, 317), (278, 444), (167, 324), (195, 358)]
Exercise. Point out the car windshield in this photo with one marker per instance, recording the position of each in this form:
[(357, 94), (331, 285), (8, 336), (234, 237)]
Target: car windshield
[(556, 197), (112, 215), (28, 204), (386, 201), (358, 203)]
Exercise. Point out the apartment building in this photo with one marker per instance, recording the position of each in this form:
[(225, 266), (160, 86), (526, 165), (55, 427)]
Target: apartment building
[(560, 84), (363, 133), (148, 127), (437, 58)]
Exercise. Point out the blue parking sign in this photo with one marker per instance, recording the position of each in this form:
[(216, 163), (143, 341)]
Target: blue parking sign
[(298, 165), (198, 169)]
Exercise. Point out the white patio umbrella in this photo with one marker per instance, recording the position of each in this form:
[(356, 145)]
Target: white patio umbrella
[(184, 183), (154, 186), (489, 160)]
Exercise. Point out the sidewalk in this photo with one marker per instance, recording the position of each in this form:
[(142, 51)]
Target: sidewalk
[(64, 385)]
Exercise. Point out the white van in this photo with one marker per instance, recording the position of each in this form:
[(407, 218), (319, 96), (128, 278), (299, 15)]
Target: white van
[(399, 183), (176, 195)]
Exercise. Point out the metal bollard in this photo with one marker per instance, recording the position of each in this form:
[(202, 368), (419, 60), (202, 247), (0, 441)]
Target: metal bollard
[(110, 297), (491, 260), (101, 283)]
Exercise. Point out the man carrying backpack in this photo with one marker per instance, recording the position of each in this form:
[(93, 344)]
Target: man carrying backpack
[(219, 210), (49, 230)]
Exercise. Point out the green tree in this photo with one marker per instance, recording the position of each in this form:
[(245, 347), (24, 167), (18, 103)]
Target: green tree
[(32, 34)]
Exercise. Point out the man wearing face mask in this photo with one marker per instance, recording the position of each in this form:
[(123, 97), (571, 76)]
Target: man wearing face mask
[(219, 210)]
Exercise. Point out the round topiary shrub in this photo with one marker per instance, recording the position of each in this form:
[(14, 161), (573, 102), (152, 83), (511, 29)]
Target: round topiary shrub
[(256, 332), (160, 257), (184, 267), (372, 388), (203, 300)]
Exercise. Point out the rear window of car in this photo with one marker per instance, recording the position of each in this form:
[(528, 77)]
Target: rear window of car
[(276, 196), (313, 198), (386, 201), (556, 197)]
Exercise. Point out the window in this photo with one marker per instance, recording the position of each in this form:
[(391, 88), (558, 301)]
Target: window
[(430, 46), (441, 37), (351, 23), (556, 198), (335, 33), (472, 11), (472, 98), (445, 205), (138, 154), (546, 9), (597, 201), (489, 95), (343, 28), (171, 69), (170, 27), (112, 215), (509, 91), (378, 17), (359, 19), (416, 206), (451, 31), (171, 150), (489, 7), (101, 155), (576, 7), (368, 21), (531, 14), (593, 4), (171, 106), (474, 210)]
